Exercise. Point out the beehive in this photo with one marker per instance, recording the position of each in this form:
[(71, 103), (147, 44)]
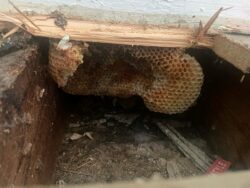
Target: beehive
[(168, 79)]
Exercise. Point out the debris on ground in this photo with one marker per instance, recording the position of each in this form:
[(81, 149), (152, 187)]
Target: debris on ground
[(219, 166), (60, 183), (122, 118), (89, 135), (125, 146), (173, 169), (199, 157), (76, 136), (74, 125), (195, 154)]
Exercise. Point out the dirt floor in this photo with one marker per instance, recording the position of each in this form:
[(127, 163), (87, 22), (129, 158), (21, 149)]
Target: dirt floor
[(106, 143)]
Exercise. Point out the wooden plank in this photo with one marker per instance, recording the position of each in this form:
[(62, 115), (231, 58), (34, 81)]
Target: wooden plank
[(82, 25), (111, 33), (195, 154), (5, 26), (156, 23), (29, 113), (235, 49)]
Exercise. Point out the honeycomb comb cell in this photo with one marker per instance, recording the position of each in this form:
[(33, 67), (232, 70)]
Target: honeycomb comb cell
[(168, 80)]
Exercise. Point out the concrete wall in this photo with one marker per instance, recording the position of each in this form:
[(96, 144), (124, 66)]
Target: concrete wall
[(140, 11)]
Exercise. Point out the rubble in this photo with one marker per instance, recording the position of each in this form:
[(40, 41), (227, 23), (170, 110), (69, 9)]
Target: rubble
[(173, 169), (107, 151), (122, 118), (75, 136)]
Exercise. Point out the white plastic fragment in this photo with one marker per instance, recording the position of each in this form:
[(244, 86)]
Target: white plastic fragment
[(64, 43), (75, 136), (242, 78), (89, 135), (41, 93)]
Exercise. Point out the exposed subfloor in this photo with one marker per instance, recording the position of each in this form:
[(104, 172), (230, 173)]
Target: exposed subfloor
[(104, 143)]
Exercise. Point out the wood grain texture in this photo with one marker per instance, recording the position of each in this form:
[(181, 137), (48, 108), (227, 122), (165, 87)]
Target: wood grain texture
[(235, 49), (192, 152), (29, 130), (224, 114), (89, 31)]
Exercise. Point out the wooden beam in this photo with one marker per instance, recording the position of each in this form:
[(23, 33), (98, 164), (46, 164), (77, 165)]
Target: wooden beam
[(235, 49), (29, 112), (5, 26), (90, 31)]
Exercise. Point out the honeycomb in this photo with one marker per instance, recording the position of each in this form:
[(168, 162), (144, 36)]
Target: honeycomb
[(168, 80), (64, 63)]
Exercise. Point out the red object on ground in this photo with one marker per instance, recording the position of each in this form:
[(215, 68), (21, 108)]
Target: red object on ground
[(219, 166)]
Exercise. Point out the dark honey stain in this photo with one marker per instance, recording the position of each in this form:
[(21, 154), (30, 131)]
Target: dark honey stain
[(60, 19)]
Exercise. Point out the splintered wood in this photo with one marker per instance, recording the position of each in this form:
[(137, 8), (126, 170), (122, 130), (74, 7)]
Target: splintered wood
[(50, 26), (110, 33), (29, 108), (199, 157)]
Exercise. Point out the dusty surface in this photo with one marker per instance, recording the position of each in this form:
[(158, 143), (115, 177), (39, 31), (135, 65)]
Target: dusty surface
[(106, 144)]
